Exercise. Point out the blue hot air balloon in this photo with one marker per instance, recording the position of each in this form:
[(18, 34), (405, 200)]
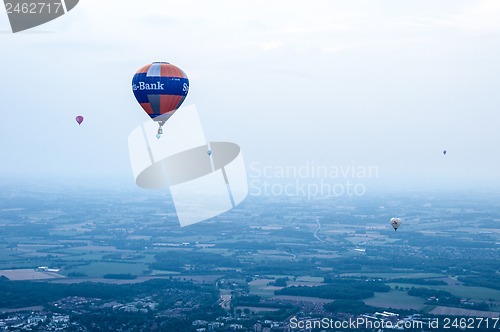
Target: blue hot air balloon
[(160, 88)]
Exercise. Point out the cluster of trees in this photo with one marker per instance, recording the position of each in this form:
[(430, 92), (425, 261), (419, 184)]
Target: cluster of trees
[(18, 294), (360, 283), (446, 298), (338, 288), (489, 280), (443, 297), (280, 282)]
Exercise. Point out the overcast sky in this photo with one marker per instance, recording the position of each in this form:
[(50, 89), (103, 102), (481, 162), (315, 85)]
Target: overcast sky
[(384, 83)]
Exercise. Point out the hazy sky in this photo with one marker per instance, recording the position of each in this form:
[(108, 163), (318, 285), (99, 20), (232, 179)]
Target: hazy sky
[(385, 83)]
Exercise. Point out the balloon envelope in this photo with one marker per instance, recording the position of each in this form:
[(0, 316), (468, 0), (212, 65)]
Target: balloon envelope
[(444, 151), (79, 119), (395, 223), (160, 88)]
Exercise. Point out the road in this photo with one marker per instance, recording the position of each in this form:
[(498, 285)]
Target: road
[(317, 230)]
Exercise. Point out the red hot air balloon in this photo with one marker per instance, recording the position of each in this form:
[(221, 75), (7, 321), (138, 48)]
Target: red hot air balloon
[(79, 119), (160, 88)]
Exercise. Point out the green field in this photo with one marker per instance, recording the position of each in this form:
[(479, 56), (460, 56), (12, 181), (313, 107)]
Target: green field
[(396, 300), (464, 292), (8, 255), (310, 279), (259, 287)]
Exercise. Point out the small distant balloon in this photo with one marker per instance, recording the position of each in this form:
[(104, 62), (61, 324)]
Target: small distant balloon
[(79, 119), (444, 152), (395, 223), (209, 152)]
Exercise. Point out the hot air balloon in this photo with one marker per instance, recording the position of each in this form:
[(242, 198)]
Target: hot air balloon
[(444, 152), (395, 223), (79, 119), (160, 88)]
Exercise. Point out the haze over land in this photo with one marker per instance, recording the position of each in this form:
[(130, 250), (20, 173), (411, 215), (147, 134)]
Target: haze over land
[(270, 259)]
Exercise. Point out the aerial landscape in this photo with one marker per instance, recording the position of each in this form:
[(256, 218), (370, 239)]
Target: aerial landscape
[(279, 166), (104, 261)]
